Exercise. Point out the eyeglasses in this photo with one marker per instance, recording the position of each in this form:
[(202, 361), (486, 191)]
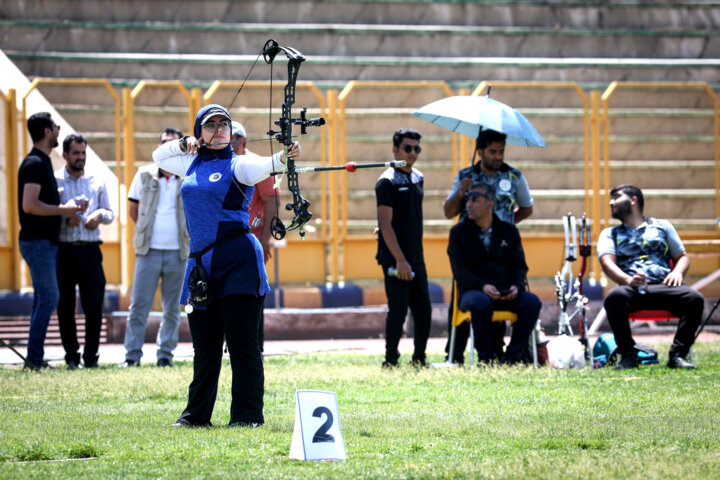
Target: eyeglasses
[(224, 124), (476, 195), (410, 148)]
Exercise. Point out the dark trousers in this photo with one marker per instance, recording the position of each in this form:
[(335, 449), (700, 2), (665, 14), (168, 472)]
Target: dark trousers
[(683, 301), (462, 333), (80, 265), (235, 319), (527, 306), (401, 295)]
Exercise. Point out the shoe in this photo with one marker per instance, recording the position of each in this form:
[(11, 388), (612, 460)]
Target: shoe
[(628, 362), (679, 362), (245, 424), (73, 365), (165, 362), (181, 422), (92, 364), (129, 363), (388, 365)]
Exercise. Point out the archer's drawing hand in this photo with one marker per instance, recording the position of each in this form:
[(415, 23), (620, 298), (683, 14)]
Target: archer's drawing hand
[(190, 144)]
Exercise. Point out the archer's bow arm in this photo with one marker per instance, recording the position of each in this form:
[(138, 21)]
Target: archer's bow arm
[(249, 169)]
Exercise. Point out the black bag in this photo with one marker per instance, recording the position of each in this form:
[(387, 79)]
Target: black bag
[(645, 355), (199, 287)]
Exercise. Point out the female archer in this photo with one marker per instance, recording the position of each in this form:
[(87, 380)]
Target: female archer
[(216, 193)]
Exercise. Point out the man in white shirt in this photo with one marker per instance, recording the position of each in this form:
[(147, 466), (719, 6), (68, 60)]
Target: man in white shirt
[(79, 255), (161, 248)]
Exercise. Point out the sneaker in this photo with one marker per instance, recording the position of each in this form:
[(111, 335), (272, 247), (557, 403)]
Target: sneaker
[(129, 363), (93, 364), (679, 362), (165, 362), (73, 365), (628, 362)]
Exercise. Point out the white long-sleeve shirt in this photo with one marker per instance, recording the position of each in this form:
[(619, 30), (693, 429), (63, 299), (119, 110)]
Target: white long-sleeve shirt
[(93, 187), (249, 170)]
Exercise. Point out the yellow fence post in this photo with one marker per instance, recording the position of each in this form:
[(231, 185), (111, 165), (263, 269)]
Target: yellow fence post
[(595, 148), (129, 172), (11, 165), (332, 133)]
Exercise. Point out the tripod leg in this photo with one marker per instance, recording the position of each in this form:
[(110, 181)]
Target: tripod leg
[(707, 319), (17, 353)]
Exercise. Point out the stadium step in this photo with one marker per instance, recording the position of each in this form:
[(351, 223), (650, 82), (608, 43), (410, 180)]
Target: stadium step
[(14, 330), (508, 13), (353, 39), (208, 67)]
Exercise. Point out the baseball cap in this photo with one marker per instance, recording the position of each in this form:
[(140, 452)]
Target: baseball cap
[(238, 129), (214, 111)]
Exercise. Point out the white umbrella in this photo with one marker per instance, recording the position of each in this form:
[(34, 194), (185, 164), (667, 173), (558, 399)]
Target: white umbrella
[(469, 115)]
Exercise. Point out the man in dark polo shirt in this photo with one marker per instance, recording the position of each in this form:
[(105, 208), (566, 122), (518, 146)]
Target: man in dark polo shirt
[(399, 193), (40, 218)]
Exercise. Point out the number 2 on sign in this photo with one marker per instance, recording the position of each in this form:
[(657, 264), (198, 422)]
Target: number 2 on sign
[(321, 436)]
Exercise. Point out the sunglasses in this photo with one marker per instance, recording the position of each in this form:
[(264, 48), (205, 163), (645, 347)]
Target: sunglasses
[(410, 148), (224, 124), (476, 195)]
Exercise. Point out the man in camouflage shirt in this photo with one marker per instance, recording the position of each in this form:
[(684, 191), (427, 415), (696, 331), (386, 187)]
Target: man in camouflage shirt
[(647, 259)]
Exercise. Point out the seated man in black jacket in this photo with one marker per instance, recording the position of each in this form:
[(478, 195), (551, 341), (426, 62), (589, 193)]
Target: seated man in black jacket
[(488, 263)]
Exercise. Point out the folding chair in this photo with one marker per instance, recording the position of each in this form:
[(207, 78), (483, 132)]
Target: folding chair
[(655, 316), (459, 317)]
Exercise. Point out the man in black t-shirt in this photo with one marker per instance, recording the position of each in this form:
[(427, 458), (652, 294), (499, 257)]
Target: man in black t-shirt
[(399, 193), (40, 217)]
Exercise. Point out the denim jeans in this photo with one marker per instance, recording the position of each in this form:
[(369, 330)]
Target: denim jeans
[(41, 257)]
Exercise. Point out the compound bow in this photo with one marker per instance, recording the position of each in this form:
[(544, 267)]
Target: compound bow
[(299, 205)]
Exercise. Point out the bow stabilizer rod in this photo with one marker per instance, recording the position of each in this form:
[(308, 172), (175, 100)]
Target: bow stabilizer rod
[(350, 167)]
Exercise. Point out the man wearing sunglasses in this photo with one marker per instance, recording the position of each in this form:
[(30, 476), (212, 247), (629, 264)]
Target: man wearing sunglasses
[(513, 202), (399, 193), (488, 264)]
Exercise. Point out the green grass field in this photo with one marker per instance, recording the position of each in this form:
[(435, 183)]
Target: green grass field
[(483, 423)]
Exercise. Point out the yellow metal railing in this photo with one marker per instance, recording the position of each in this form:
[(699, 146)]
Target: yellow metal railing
[(334, 247), (613, 88)]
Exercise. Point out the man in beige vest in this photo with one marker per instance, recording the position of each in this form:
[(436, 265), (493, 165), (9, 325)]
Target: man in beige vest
[(161, 249)]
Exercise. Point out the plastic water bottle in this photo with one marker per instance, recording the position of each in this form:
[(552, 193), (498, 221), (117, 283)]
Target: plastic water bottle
[(80, 201), (392, 271), (642, 289)]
